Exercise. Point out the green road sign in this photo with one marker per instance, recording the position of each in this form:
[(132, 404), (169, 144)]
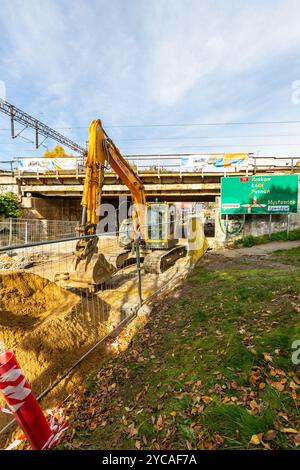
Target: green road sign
[(259, 194)]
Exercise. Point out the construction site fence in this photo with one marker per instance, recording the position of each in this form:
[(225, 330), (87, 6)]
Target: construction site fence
[(15, 231), (50, 328)]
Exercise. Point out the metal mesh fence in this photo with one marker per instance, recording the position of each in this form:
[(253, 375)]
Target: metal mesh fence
[(17, 231), (49, 325)]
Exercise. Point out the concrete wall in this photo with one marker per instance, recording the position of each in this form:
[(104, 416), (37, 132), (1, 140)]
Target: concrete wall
[(254, 224), (8, 184), (51, 208)]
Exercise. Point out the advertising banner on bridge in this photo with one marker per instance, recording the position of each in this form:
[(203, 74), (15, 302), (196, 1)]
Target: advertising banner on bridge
[(259, 194), (45, 165), (213, 162)]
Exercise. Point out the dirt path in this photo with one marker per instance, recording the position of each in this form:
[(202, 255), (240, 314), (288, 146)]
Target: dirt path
[(263, 249)]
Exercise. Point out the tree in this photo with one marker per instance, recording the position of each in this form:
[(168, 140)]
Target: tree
[(9, 205), (57, 152)]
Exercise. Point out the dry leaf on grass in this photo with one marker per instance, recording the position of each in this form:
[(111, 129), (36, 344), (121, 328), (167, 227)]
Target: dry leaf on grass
[(256, 439)]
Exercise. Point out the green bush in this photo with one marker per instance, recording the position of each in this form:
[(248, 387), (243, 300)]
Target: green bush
[(9, 205)]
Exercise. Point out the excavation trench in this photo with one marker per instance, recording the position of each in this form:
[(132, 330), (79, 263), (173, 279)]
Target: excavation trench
[(49, 328)]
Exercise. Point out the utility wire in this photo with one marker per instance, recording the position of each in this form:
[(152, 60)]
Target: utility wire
[(145, 139), (245, 123), (207, 137)]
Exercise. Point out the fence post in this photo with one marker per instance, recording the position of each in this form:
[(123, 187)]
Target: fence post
[(288, 225), (10, 232), (26, 232), (270, 225), (226, 227), (138, 267)]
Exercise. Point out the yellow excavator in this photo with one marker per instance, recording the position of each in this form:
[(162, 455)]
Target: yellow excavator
[(154, 224)]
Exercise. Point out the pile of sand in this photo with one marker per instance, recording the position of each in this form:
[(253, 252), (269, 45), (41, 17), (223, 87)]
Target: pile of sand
[(25, 301), (47, 327)]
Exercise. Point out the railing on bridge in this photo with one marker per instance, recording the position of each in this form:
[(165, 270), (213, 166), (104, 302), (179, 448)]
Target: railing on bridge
[(7, 166), (157, 164)]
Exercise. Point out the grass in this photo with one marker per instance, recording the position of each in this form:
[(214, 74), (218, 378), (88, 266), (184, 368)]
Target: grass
[(199, 375), (279, 236), (291, 256)]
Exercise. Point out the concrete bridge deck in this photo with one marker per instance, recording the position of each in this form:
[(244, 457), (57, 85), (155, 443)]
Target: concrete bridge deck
[(168, 185), (57, 192)]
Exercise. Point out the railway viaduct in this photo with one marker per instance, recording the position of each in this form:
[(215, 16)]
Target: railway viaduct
[(56, 194)]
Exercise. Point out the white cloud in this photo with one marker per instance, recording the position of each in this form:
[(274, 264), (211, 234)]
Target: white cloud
[(159, 61), (194, 41)]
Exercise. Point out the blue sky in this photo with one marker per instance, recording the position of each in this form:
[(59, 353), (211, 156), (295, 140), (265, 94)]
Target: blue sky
[(145, 62)]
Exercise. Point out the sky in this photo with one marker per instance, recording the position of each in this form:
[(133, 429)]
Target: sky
[(164, 76)]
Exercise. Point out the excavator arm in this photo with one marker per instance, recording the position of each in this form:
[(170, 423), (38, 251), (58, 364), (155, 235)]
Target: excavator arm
[(103, 151), (92, 268)]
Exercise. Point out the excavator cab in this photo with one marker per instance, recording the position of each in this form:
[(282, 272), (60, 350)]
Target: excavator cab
[(160, 230), (125, 233)]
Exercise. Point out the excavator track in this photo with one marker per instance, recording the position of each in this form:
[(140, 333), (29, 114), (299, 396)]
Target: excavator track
[(159, 261), (120, 259)]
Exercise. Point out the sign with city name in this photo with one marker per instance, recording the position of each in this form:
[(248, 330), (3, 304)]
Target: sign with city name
[(259, 194)]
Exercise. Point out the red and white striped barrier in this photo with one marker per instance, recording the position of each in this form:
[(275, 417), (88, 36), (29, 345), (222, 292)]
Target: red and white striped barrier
[(22, 403)]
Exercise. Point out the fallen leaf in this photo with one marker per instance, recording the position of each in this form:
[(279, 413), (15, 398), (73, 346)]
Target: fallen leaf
[(159, 422), (124, 421), (270, 435), (297, 439), (138, 444), (279, 386), (256, 439), (293, 385), (262, 385), (206, 399), (189, 445), (267, 357), (289, 430), (283, 415)]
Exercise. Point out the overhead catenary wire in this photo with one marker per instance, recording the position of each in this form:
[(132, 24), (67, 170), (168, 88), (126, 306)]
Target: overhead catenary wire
[(236, 123)]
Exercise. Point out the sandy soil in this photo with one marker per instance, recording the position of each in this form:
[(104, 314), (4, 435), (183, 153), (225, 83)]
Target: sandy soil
[(50, 328)]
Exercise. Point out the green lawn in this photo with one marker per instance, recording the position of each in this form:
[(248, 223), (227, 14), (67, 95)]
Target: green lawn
[(212, 369), (291, 256)]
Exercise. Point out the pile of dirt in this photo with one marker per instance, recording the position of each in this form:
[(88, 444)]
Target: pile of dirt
[(47, 327), (25, 301), (19, 261)]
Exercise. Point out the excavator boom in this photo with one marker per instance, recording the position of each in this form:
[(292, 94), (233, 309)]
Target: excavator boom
[(153, 223), (90, 267), (103, 151)]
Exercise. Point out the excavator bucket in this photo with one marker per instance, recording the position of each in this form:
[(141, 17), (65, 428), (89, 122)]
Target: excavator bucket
[(89, 268)]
